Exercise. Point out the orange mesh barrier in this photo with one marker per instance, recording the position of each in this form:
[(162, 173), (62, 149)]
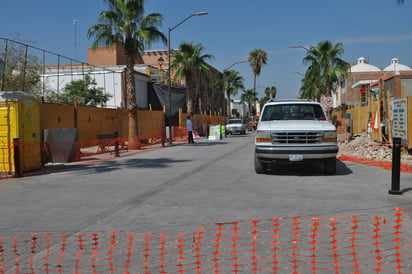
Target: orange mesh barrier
[(352, 244), (386, 165), (180, 134), (77, 152)]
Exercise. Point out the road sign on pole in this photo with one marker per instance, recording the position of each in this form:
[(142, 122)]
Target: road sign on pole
[(328, 102)]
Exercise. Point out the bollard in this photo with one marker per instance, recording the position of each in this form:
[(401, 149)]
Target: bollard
[(116, 144), (16, 147), (396, 167)]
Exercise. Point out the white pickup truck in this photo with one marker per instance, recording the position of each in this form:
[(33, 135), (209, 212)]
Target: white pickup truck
[(295, 131)]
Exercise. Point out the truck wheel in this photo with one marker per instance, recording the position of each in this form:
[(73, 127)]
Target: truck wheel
[(330, 166), (260, 167)]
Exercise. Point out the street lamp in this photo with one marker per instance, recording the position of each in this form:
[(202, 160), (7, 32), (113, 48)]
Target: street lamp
[(160, 61), (224, 80), (296, 72), (238, 62), (170, 74), (302, 47)]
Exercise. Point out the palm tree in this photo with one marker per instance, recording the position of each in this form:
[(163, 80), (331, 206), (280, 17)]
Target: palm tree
[(232, 82), (325, 68), (248, 96), (188, 60), (257, 58), (124, 24), (271, 92), (263, 101)]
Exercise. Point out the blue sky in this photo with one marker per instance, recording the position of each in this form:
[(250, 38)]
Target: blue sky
[(376, 29)]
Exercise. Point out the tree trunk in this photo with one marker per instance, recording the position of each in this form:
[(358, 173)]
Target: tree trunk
[(254, 92), (131, 99), (188, 93), (229, 114)]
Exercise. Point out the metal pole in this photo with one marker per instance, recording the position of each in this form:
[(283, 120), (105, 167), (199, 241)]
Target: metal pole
[(396, 167), (170, 75), (170, 95)]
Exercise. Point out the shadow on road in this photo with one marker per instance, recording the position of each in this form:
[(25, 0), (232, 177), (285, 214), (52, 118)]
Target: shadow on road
[(306, 169), (108, 166)]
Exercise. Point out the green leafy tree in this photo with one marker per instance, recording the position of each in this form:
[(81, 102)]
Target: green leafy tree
[(271, 92), (83, 92), (257, 59), (22, 69), (249, 96), (125, 24), (325, 69), (232, 82), (188, 60)]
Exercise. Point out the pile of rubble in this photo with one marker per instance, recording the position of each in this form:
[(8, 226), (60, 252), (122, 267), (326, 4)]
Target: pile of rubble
[(362, 146)]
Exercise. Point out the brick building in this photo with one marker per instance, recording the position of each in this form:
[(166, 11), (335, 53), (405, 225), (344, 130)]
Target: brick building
[(363, 77)]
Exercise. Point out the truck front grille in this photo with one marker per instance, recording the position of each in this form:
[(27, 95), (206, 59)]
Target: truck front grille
[(296, 137)]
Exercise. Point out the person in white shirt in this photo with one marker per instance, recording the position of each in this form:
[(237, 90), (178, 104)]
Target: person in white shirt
[(189, 126)]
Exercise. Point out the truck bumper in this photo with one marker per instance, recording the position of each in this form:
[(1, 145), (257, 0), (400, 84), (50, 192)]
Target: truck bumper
[(270, 154)]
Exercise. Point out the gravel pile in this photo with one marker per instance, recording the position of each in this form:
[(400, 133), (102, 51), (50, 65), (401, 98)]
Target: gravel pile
[(362, 146)]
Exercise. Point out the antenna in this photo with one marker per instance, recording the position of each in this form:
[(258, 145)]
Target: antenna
[(75, 38)]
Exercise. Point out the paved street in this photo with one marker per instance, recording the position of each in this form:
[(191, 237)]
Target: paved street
[(179, 188), (110, 216)]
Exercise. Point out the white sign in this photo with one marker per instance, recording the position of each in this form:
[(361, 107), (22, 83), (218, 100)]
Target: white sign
[(328, 102), (399, 117)]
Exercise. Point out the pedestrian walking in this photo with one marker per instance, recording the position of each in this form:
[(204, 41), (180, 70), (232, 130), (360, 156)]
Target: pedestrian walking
[(189, 127)]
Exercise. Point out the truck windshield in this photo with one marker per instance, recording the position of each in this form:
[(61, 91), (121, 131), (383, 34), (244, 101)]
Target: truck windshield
[(235, 121), (293, 112)]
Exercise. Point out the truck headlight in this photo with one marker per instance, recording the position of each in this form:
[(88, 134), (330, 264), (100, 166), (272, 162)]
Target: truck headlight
[(330, 136), (263, 137)]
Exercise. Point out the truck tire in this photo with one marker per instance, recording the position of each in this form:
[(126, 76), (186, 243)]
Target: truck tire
[(260, 167), (330, 166)]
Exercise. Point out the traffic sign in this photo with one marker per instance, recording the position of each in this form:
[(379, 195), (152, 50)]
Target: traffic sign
[(328, 102)]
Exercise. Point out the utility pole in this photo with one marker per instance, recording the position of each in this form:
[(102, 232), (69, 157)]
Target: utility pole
[(75, 38)]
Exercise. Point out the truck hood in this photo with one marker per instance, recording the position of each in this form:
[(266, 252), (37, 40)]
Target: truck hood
[(296, 125)]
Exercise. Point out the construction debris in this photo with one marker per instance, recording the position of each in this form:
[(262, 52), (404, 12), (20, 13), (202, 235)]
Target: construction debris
[(362, 146)]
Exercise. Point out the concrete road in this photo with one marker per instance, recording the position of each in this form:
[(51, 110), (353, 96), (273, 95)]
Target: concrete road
[(181, 187)]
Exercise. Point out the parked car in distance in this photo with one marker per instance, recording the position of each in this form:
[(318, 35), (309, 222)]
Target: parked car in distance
[(236, 126), (295, 131)]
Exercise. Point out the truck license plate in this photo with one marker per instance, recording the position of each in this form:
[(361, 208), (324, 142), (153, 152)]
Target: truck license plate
[(295, 157)]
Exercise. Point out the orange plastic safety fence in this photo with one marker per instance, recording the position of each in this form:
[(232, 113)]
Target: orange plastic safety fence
[(351, 244), (52, 155), (383, 164), (180, 134)]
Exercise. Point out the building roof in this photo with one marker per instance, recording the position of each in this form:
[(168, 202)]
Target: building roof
[(363, 66), (363, 82), (396, 67)]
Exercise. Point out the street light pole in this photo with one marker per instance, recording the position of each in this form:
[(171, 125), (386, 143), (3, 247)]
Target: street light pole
[(238, 62), (170, 74), (302, 47), (224, 82)]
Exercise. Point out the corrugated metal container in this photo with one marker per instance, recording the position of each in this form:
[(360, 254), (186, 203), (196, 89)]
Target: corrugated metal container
[(19, 119)]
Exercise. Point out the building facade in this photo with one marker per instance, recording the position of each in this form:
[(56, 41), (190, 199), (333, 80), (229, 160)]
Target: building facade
[(203, 95), (364, 77)]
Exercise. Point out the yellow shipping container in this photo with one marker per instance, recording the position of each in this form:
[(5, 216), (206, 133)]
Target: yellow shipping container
[(19, 118)]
